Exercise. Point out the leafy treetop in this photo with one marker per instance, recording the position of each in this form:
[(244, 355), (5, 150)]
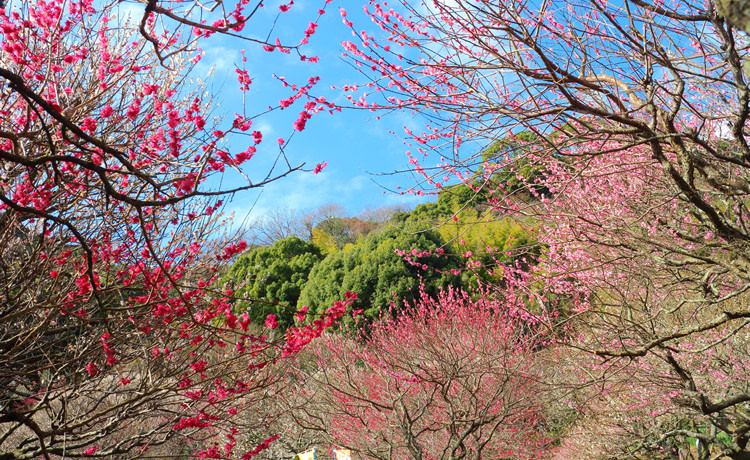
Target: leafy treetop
[(375, 270), (271, 279)]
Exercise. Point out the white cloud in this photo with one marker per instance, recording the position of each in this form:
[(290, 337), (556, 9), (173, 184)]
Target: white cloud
[(218, 60), (265, 127)]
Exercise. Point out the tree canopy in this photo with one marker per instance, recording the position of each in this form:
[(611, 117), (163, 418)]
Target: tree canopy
[(378, 273), (450, 375), (272, 278)]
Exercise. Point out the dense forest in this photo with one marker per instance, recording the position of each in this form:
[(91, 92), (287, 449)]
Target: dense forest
[(456, 242)]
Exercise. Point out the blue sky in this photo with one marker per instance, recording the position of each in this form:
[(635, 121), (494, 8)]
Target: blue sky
[(357, 146)]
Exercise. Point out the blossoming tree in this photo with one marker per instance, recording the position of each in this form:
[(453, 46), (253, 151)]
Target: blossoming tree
[(113, 339), (634, 115), (449, 378)]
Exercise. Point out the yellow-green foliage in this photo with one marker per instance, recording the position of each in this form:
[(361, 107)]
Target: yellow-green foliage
[(373, 269), (485, 234), (336, 233), (324, 241)]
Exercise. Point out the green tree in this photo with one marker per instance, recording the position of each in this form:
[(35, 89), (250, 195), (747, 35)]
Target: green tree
[(380, 275), (451, 200), (343, 230), (426, 212), (324, 241), (492, 239), (507, 165), (270, 279), (461, 196), (521, 170), (463, 219)]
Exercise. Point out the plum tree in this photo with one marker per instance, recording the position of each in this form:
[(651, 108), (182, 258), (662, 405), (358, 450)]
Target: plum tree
[(639, 116), (113, 340), (450, 378)]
